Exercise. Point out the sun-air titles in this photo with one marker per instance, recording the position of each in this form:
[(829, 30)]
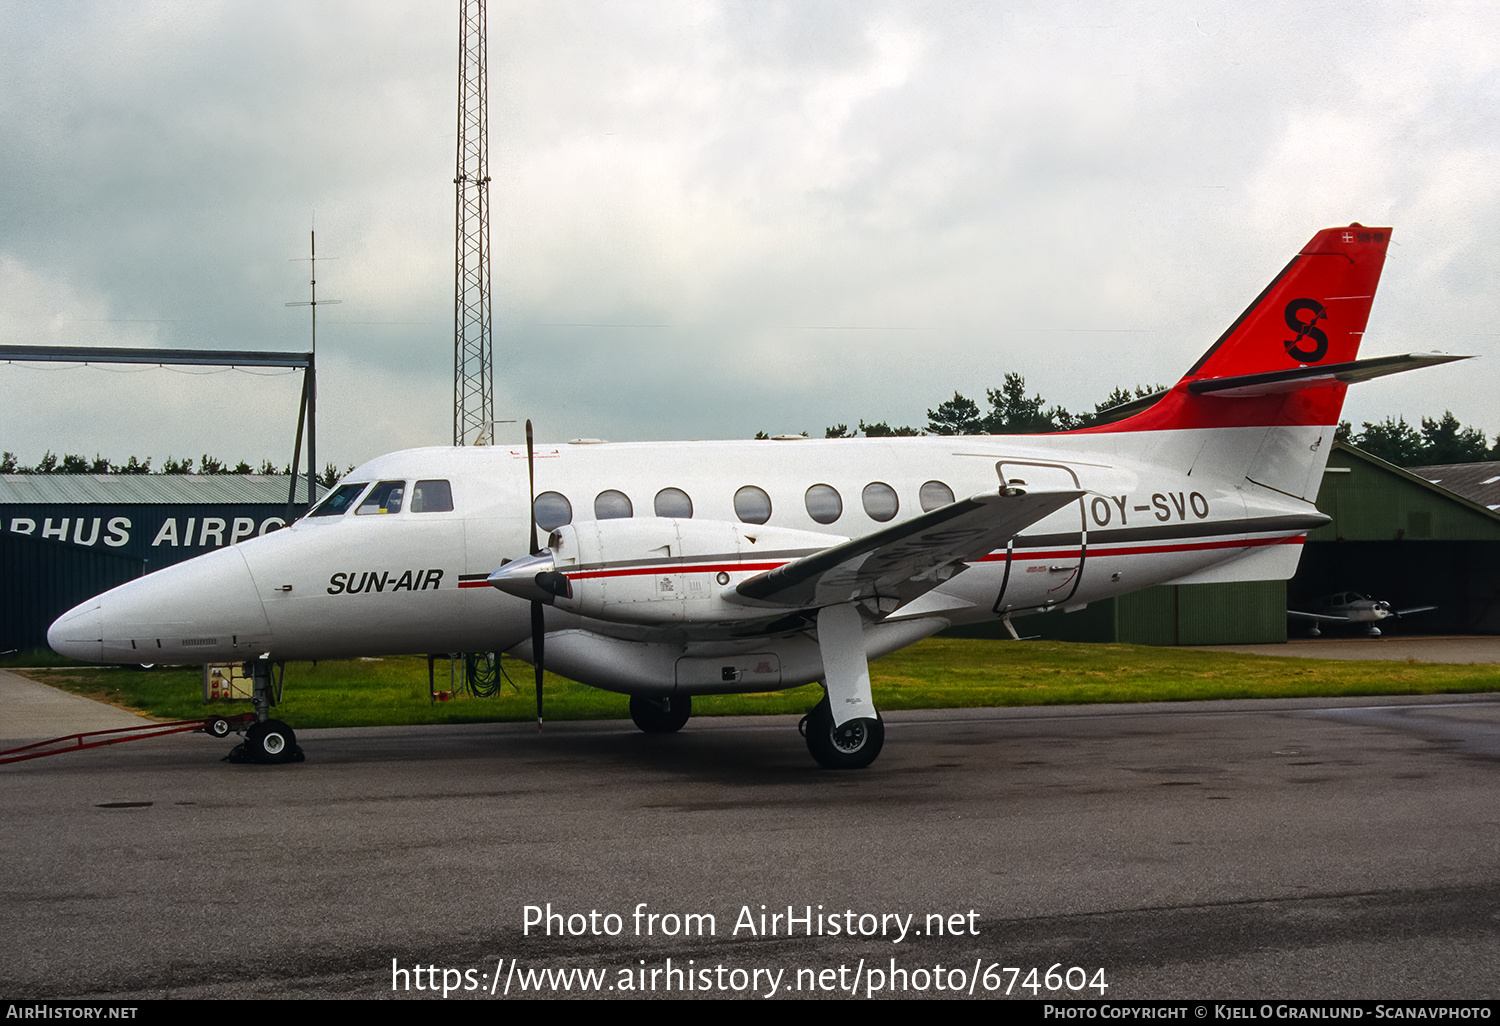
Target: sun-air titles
[(360, 582)]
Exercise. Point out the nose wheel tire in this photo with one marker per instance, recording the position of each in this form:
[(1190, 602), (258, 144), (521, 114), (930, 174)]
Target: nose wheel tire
[(660, 715), (271, 741), (217, 726), (853, 744)]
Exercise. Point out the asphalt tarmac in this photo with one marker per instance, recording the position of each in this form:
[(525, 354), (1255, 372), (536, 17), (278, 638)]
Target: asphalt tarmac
[(1467, 648), (1270, 849)]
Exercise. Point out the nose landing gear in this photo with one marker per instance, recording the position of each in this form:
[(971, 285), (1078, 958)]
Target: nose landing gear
[(271, 741), (266, 740)]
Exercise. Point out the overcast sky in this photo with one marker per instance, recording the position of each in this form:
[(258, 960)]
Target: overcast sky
[(713, 218)]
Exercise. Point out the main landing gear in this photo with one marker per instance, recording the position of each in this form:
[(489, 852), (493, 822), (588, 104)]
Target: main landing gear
[(843, 731), (853, 744), (660, 715)]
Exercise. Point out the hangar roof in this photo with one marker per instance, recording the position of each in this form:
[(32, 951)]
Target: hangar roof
[(1479, 482), (1372, 500), (144, 489)]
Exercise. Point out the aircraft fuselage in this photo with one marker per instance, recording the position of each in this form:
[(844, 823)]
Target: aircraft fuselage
[(372, 583)]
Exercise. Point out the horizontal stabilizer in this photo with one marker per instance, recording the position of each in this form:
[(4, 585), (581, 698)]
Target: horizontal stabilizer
[(905, 560), (1281, 381)]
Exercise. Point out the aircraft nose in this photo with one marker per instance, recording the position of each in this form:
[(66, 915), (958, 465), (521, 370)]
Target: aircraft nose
[(203, 610), (79, 633)]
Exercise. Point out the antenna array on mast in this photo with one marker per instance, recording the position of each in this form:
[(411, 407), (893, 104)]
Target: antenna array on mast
[(473, 380)]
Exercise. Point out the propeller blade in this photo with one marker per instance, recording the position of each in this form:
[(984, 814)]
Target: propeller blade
[(538, 638), (538, 622), (531, 486)]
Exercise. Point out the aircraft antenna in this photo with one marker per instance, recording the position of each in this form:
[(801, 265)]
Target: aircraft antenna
[(473, 379), (309, 414)]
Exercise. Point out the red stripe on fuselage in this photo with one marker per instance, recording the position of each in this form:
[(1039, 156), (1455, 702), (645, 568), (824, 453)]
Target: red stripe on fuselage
[(1025, 554), (1095, 553), (589, 575)]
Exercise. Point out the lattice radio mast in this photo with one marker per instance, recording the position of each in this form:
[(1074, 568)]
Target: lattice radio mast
[(473, 378)]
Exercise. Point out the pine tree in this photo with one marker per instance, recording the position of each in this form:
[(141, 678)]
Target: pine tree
[(957, 416)]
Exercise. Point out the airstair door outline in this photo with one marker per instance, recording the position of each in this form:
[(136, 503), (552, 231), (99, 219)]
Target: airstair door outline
[(1029, 475)]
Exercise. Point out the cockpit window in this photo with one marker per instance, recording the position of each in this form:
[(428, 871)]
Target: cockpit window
[(431, 497), (383, 498), (339, 500)]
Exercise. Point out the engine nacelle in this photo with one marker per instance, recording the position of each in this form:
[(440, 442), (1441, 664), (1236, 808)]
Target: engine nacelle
[(652, 570)]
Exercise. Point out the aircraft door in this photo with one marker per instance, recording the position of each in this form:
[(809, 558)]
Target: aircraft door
[(1063, 537)]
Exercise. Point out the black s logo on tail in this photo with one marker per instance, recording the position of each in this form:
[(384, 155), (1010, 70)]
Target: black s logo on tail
[(1306, 329)]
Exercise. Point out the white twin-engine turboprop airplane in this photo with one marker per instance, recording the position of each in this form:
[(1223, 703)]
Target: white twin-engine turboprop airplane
[(692, 568)]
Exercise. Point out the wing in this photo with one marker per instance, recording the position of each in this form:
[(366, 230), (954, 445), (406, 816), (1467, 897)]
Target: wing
[(905, 560), (1317, 617), (1415, 609)]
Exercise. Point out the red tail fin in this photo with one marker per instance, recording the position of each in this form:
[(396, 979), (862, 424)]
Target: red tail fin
[(1312, 314)]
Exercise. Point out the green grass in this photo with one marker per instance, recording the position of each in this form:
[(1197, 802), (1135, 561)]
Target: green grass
[(35, 657), (939, 673), (947, 672)]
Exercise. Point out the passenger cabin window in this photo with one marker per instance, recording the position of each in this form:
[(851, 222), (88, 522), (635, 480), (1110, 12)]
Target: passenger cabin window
[(674, 502), (824, 504), (432, 497), (383, 498), (880, 501), (752, 505), (612, 505), (552, 510), (934, 495), (337, 502)]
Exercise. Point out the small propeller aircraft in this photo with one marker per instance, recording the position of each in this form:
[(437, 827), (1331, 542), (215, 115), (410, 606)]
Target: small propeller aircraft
[(690, 568), (1352, 607)]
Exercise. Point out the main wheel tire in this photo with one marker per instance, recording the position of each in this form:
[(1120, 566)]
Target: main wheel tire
[(217, 726), (852, 745), (270, 741), (661, 715)]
